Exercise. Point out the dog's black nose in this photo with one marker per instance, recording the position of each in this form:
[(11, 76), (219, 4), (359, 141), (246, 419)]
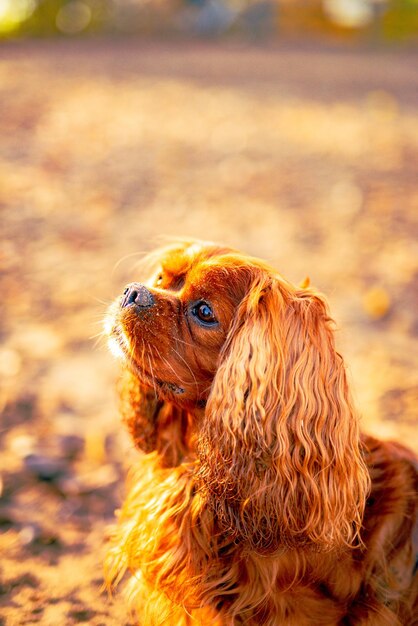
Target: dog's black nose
[(138, 294)]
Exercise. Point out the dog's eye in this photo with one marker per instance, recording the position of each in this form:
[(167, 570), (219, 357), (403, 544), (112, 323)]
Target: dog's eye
[(203, 312), (158, 280)]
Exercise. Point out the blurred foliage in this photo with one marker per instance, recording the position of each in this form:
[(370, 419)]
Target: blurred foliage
[(401, 19), (377, 19)]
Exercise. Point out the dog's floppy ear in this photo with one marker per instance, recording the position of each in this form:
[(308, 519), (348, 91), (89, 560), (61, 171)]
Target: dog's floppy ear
[(154, 424), (280, 457)]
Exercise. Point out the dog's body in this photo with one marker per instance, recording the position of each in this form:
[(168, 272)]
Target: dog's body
[(256, 501)]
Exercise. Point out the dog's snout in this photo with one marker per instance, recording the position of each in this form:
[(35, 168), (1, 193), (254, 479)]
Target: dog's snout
[(138, 294)]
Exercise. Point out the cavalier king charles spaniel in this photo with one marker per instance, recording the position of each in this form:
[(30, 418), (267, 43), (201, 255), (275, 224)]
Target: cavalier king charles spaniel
[(255, 500)]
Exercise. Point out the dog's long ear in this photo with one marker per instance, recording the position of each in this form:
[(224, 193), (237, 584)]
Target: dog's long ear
[(280, 457), (154, 424)]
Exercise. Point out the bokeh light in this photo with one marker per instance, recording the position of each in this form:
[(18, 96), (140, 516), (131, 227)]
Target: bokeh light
[(74, 17), (13, 13), (351, 13), (257, 19)]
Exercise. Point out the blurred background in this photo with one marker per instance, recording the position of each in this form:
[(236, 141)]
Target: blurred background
[(385, 19), (287, 129)]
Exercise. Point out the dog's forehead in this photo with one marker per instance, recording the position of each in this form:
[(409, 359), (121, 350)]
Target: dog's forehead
[(176, 263), (210, 271), (204, 274), (181, 260), (216, 277)]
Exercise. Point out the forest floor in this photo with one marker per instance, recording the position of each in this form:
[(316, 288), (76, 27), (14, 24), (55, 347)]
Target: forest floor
[(304, 155)]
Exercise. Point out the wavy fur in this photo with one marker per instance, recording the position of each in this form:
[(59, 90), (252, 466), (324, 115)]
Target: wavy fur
[(255, 500), (286, 467)]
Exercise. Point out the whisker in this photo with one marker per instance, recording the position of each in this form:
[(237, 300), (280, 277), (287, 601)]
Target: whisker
[(132, 345), (99, 301), (186, 343), (99, 320), (152, 371), (124, 258), (98, 338), (172, 368), (208, 388), (187, 365)]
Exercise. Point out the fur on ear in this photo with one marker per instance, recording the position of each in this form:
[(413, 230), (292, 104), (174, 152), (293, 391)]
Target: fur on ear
[(280, 456), (154, 424)]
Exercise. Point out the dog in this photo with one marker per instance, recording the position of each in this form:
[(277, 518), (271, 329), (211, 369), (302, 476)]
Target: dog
[(256, 499)]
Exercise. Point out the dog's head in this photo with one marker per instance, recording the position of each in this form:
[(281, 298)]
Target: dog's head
[(246, 362), (170, 330)]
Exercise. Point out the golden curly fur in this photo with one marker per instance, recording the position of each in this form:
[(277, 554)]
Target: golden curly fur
[(255, 500)]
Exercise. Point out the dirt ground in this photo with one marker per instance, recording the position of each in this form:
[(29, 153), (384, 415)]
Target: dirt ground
[(300, 154)]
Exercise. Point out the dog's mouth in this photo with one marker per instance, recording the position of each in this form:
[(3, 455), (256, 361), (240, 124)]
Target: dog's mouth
[(120, 347)]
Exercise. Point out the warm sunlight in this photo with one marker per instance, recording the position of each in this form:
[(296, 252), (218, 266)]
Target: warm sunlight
[(13, 12), (283, 129)]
